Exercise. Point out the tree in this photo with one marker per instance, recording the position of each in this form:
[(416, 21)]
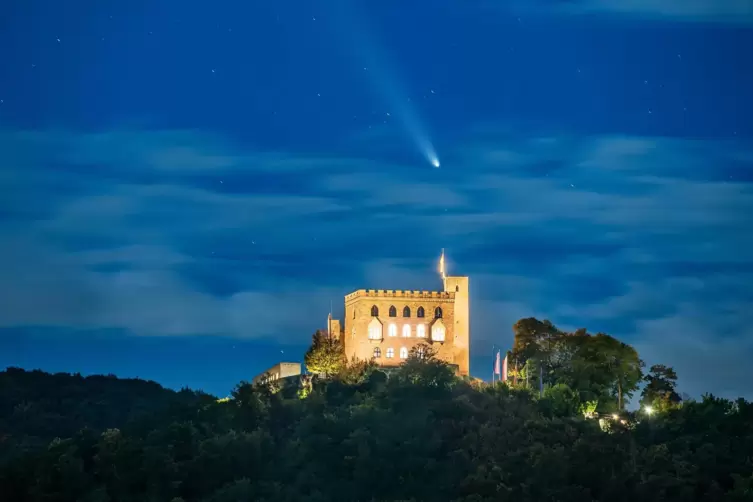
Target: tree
[(604, 369), (326, 355), (659, 391)]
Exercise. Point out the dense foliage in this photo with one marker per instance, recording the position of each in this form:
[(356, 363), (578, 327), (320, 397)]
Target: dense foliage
[(599, 368), (419, 434)]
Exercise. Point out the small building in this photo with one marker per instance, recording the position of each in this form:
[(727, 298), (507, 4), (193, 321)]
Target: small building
[(278, 372)]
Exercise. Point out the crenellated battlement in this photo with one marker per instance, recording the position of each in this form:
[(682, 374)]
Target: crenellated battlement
[(393, 293)]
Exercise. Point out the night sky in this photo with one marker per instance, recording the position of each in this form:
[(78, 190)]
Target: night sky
[(186, 186)]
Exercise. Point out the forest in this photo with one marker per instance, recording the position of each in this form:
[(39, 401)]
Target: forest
[(560, 429)]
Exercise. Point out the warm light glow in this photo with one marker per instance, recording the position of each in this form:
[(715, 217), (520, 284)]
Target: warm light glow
[(392, 330), (421, 331), (403, 353), (406, 331), (615, 416), (437, 333)]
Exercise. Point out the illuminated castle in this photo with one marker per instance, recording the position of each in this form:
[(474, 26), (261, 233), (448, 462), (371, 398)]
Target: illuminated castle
[(384, 325)]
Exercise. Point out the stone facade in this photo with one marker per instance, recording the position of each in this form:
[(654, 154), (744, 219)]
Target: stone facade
[(386, 339), (277, 372)]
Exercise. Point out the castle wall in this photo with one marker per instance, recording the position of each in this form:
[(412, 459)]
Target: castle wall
[(358, 317)]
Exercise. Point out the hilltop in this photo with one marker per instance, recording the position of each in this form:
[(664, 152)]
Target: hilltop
[(421, 434)]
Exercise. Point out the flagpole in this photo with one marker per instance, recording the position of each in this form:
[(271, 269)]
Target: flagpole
[(494, 361)]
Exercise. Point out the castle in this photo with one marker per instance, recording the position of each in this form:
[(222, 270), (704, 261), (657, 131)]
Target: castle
[(384, 325)]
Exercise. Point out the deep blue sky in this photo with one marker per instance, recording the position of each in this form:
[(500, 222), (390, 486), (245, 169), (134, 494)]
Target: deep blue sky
[(186, 186)]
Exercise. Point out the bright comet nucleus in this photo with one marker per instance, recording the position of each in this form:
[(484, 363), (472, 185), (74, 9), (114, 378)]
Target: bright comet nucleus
[(435, 162)]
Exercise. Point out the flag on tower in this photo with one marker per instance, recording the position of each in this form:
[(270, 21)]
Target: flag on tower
[(504, 369), (441, 265), (496, 364)]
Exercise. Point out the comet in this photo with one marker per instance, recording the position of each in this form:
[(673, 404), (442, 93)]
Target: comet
[(383, 80)]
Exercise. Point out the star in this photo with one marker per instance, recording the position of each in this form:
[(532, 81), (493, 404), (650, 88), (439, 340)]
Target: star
[(57, 39)]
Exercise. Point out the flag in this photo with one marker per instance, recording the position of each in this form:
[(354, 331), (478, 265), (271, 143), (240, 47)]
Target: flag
[(441, 265), (496, 364), (504, 370)]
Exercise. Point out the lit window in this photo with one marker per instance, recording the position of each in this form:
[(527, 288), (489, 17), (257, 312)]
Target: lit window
[(420, 351), (403, 353), (421, 331), (390, 353), (393, 311), (374, 311), (406, 331), (393, 330), (375, 332), (406, 312), (438, 312), (377, 352), (420, 312), (437, 333)]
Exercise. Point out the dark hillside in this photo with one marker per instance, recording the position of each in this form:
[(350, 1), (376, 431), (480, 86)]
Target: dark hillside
[(37, 407), (419, 435)]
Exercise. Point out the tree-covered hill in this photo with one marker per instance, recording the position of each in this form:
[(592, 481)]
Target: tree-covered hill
[(422, 435), (37, 407)]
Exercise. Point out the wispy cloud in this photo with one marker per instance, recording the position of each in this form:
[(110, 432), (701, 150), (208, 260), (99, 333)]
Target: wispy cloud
[(718, 11), (175, 233)]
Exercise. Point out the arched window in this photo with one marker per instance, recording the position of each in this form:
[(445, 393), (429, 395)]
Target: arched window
[(438, 313), (406, 330), (375, 331), (377, 352), (393, 311), (420, 312), (354, 313), (392, 330), (403, 353), (457, 289), (374, 311), (437, 333), (390, 353), (406, 311), (421, 331)]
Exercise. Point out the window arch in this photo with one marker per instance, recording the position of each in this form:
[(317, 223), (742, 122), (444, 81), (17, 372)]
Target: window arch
[(390, 353), (377, 352), (438, 313), (438, 333), (374, 311), (420, 312), (406, 311), (406, 330), (421, 331), (392, 329), (393, 311), (403, 353), (375, 331)]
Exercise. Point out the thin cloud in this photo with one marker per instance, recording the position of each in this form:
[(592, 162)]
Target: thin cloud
[(611, 233)]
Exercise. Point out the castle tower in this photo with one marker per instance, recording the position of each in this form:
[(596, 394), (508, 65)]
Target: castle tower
[(459, 286)]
